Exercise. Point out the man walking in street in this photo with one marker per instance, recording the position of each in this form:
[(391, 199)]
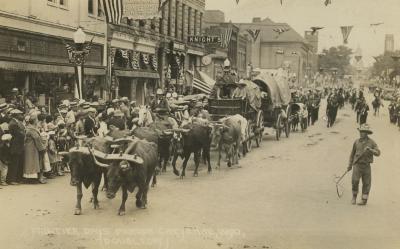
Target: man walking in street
[(361, 157)]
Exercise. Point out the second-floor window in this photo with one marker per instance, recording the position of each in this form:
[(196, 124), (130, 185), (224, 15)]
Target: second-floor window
[(99, 10), (90, 7), (58, 3)]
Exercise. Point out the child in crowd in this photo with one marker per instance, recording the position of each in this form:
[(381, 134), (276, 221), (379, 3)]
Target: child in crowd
[(54, 158)]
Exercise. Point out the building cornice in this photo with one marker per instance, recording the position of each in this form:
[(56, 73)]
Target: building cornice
[(34, 20)]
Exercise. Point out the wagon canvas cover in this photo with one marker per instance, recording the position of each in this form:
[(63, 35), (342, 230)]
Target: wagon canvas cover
[(253, 94), (277, 88)]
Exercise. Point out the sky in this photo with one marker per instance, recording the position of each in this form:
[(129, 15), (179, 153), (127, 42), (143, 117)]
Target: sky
[(303, 14)]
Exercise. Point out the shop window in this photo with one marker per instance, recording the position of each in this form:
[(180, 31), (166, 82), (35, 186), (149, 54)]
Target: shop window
[(129, 22), (90, 7), (51, 2), (142, 23), (153, 24), (63, 3), (21, 46)]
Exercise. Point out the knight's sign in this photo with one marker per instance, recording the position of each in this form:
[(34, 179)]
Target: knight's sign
[(204, 39)]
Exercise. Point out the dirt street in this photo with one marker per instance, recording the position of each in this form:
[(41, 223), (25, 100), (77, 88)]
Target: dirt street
[(281, 196)]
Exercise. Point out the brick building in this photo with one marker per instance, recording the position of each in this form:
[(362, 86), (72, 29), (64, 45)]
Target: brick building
[(131, 59), (288, 50)]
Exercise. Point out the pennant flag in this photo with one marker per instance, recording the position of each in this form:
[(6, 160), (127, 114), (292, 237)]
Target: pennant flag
[(327, 2), (113, 10), (375, 25), (237, 1), (226, 37), (315, 29), (254, 33), (346, 33), (281, 2), (280, 31)]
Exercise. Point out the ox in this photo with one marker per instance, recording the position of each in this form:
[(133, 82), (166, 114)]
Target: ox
[(129, 175), (228, 135), (194, 138), (85, 171)]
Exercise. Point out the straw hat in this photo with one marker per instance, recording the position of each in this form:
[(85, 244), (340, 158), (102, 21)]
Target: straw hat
[(16, 111), (6, 137), (159, 91), (91, 109), (241, 82), (118, 113), (3, 106), (365, 128)]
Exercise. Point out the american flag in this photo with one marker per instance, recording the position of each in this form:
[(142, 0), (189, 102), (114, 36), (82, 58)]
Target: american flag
[(226, 37), (113, 10)]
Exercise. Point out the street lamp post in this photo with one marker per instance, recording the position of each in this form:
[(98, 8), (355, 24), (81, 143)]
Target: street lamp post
[(77, 55)]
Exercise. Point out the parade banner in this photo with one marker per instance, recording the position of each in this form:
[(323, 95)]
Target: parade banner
[(141, 9)]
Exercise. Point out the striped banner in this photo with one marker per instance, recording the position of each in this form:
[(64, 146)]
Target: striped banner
[(113, 10), (226, 37)]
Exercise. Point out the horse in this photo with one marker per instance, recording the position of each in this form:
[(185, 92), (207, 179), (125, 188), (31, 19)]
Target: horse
[(145, 118), (376, 104)]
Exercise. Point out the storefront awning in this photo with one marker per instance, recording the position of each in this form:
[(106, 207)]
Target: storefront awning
[(136, 74), (44, 68)]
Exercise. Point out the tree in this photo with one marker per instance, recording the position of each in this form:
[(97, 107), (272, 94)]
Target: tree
[(336, 58), (385, 62)]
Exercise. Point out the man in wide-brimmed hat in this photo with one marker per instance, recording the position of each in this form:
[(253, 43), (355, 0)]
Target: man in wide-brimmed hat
[(361, 157), (240, 91), (160, 102)]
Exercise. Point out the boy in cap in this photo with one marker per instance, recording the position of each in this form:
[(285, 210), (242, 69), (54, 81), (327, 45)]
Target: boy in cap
[(361, 157)]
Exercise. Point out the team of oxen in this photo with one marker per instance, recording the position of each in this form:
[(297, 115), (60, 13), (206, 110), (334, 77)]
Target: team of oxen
[(132, 159)]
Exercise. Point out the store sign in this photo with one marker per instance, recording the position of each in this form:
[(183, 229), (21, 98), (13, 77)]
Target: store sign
[(204, 39), (141, 9)]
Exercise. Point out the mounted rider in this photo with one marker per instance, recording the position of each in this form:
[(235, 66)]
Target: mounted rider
[(160, 102)]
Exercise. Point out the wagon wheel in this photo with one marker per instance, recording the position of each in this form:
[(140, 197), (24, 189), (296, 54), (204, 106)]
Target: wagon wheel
[(278, 127), (303, 125), (260, 127), (287, 123), (249, 141)]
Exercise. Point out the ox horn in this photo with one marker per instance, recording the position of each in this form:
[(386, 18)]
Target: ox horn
[(103, 165)]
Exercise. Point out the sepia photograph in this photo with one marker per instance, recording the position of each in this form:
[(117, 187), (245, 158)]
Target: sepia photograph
[(199, 124)]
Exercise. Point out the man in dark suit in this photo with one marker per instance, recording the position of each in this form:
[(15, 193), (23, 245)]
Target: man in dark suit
[(17, 130), (90, 123)]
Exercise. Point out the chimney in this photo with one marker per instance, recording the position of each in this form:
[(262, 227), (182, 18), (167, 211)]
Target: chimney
[(256, 19)]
